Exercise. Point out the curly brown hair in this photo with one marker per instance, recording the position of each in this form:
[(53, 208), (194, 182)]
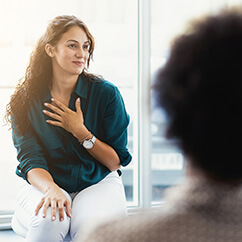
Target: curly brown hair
[(200, 89), (39, 71)]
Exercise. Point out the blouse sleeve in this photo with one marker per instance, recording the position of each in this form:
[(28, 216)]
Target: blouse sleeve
[(116, 121), (29, 153)]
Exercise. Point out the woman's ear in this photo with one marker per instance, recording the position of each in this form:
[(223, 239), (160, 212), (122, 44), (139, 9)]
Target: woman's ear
[(49, 49)]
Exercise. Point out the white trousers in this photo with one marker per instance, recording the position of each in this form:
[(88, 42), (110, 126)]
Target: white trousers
[(90, 207)]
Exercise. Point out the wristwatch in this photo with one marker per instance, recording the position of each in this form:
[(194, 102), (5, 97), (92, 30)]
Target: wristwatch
[(88, 144)]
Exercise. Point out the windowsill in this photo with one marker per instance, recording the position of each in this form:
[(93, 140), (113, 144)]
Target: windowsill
[(6, 216), (5, 219)]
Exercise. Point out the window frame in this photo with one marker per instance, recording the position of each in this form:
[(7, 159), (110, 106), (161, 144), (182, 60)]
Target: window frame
[(142, 173)]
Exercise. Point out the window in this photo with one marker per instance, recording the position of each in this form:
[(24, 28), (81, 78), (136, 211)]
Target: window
[(113, 24), (132, 41), (168, 18)]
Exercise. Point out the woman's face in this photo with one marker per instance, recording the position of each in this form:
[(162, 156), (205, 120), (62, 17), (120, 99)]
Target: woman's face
[(70, 55)]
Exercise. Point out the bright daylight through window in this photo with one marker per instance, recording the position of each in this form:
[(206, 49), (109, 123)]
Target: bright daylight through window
[(114, 27), (120, 29)]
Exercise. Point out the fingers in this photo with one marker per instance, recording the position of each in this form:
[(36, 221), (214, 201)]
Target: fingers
[(54, 206), (55, 123), (52, 115), (78, 104), (68, 208), (59, 104), (45, 207), (61, 210), (54, 108), (43, 203), (53, 210), (39, 206)]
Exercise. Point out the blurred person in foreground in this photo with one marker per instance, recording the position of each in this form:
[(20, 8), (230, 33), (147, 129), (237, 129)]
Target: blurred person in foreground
[(200, 88)]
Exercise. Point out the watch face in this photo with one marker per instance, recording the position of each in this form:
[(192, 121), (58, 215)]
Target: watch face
[(87, 144)]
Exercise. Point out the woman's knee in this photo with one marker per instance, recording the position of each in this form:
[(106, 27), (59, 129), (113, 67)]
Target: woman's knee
[(49, 223), (45, 227), (95, 205)]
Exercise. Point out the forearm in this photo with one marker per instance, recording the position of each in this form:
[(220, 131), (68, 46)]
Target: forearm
[(73, 122), (53, 196), (41, 179), (106, 155), (101, 151)]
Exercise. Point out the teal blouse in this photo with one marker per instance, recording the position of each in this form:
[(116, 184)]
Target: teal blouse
[(59, 152)]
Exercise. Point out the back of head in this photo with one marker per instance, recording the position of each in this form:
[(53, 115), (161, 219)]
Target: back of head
[(200, 88)]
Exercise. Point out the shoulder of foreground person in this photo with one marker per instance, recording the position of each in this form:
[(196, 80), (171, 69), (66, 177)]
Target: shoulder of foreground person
[(157, 226)]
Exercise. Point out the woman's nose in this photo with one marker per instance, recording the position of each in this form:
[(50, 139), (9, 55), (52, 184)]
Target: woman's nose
[(80, 53)]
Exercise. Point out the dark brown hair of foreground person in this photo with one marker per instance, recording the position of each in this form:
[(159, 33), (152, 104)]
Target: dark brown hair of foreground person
[(39, 71), (200, 88)]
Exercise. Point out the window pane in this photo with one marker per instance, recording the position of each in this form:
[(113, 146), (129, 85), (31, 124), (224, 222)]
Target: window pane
[(113, 24), (9, 183), (168, 18), (116, 59)]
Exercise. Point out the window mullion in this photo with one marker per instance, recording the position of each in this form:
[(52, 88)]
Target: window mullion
[(144, 103)]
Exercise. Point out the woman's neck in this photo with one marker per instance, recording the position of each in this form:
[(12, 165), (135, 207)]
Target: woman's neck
[(63, 85)]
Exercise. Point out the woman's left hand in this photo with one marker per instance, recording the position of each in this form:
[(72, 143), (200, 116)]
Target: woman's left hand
[(66, 118)]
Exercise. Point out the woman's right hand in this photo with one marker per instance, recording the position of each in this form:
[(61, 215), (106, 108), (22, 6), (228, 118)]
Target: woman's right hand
[(56, 199)]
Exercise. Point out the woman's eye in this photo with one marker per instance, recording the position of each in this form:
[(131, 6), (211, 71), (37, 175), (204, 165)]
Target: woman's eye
[(74, 46), (86, 47)]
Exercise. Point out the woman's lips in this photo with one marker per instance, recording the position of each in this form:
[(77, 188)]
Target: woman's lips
[(79, 63)]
